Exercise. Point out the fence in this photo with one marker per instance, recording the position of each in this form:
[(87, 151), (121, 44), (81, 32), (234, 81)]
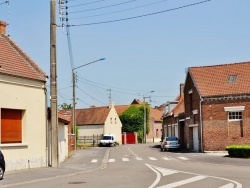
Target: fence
[(89, 140)]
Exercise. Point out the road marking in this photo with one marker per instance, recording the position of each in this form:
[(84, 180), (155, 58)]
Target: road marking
[(197, 177), (183, 182), (94, 161), (111, 160), (125, 159), (183, 158), (165, 158), (230, 185), (165, 171), (152, 158), (138, 158)]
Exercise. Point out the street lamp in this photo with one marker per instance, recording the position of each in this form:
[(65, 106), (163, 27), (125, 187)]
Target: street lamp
[(74, 94), (145, 121)]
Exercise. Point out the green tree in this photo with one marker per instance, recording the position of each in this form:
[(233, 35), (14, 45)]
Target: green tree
[(65, 106), (133, 120)]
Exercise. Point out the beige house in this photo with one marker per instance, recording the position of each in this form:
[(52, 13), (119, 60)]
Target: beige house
[(22, 108), (99, 121)]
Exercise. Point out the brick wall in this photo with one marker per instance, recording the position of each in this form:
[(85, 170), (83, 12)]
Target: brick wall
[(218, 131)]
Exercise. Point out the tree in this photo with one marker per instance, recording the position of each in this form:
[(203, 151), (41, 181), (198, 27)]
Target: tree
[(65, 106), (133, 120)]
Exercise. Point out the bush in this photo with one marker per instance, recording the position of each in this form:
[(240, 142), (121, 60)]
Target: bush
[(242, 151)]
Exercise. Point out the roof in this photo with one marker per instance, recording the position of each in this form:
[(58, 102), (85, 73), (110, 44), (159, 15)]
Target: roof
[(220, 80), (92, 116), (63, 117), (14, 62), (179, 108), (121, 108), (156, 114)]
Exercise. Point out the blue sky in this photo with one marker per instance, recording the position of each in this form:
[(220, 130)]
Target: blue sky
[(142, 54)]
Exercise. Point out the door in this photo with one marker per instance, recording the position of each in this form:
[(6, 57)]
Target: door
[(195, 139)]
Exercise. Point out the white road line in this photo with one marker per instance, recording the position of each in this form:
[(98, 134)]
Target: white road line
[(183, 158), (94, 161), (125, 159), (165, 158), (152, 158), (111, 160), (183, 182), (138, 158), (230, 185)]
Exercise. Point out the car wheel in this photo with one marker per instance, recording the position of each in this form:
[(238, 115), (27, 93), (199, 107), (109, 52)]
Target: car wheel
[(1, 173)]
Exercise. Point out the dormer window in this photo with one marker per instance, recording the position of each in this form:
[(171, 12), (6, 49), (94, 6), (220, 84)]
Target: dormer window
[(232, 79)]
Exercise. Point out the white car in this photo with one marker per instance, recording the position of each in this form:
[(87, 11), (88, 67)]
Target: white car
[(171, 142), (108, 140)]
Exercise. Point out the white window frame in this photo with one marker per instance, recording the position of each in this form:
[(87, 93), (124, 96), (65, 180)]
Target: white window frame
[(234, 109)]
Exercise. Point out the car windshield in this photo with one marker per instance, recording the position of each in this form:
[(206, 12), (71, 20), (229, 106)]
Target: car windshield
[(172, 138), (106, 138)]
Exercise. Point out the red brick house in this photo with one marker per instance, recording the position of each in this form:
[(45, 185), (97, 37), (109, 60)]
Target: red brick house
[(174, 117), (217, 106)]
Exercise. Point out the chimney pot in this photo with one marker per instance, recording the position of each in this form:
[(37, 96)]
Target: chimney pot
[(2, 27)]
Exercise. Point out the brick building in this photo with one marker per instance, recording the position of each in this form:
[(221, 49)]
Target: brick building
[(217, 106)]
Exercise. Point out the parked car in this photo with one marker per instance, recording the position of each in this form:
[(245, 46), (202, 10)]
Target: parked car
[(2, 165), (108, 140), (171, 142)]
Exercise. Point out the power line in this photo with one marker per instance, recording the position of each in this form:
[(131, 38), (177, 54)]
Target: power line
[(83, 4), (124, 10), (108, 6), (140, 16), (91, 96)]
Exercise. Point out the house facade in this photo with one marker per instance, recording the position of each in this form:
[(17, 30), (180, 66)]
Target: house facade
[(99, 121), (217, 106), (174, 118), (23, 107)]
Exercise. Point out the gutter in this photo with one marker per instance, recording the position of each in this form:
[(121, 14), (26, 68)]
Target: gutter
[(201, 125)]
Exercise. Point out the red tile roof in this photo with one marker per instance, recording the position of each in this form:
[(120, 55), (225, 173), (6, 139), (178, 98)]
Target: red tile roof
[(156, 114), (214, 80), (121, 108), (92, 116), (179, 108), (13, 61)]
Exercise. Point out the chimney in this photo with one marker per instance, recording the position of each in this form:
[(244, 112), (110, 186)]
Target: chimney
[(181, 89), (2, 27)]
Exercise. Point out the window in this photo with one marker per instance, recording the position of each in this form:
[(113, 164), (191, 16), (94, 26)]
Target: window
[(115, 121), (232, 79), (234, 115), (110, 120), (234, 112), (11, 126)]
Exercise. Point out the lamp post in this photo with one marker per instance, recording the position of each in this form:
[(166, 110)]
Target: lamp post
[(74, 94), (144, 119)]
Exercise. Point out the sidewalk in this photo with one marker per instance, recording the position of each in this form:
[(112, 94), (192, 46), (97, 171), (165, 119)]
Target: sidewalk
[(80, 162)]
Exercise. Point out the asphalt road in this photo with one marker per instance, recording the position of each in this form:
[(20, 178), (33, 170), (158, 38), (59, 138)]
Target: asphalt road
[(143, 165)]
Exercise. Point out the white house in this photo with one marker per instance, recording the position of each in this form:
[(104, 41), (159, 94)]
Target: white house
[(23, 107), (98, 121)]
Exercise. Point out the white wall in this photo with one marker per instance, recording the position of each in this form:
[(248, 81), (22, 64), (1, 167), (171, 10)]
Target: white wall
[(114, 125), (90, 130), (62, 141), (28, 96)]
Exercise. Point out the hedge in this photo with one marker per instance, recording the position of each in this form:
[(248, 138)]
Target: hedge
[(242, 151)]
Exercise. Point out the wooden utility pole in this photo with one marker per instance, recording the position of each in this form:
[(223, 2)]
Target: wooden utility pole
[(53, 87)]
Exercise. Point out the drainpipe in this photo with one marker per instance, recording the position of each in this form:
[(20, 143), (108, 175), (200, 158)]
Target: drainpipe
[(201, 125)]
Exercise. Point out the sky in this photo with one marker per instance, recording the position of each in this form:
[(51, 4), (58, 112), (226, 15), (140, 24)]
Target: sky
[(148, 45)]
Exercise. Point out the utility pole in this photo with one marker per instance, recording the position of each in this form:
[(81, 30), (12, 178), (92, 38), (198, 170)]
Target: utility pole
[(74, 105), (53, 87)]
